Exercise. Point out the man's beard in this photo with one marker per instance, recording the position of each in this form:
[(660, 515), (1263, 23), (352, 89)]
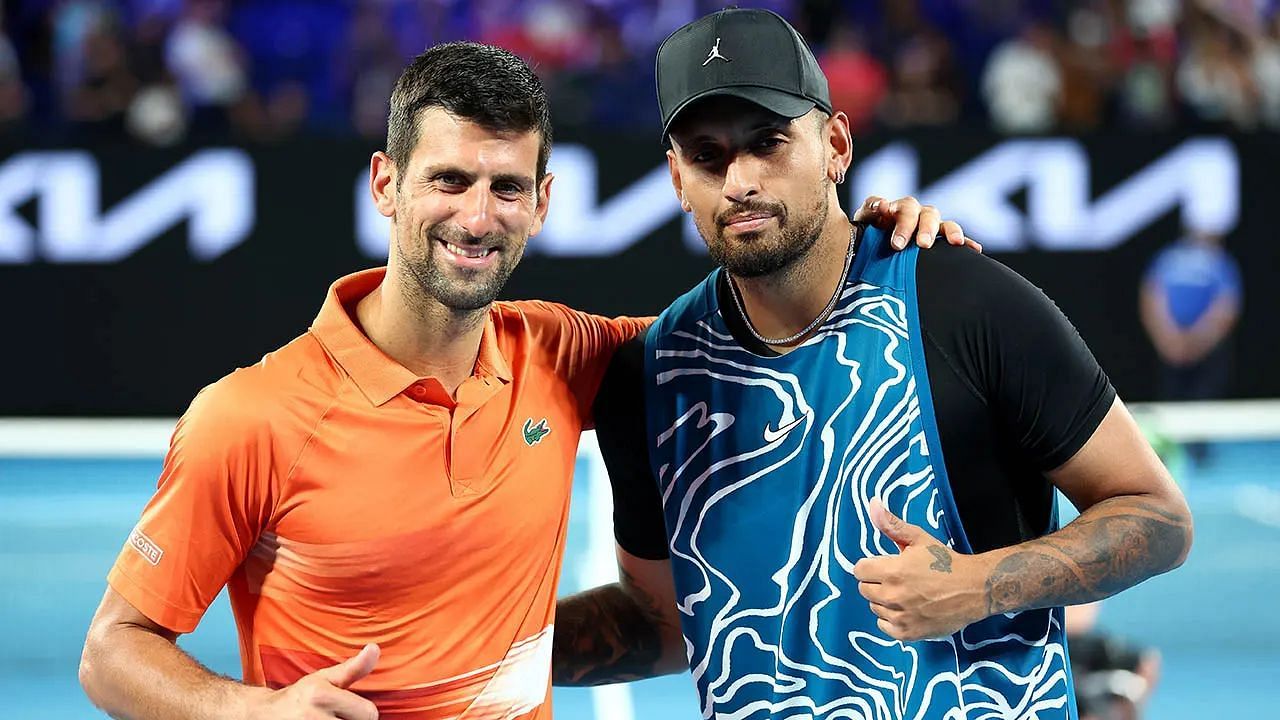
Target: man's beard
[(459, 288), (765, 252)]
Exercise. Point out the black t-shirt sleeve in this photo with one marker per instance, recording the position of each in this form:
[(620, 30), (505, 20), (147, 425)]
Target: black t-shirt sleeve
[(620, 430), (1015, 350)]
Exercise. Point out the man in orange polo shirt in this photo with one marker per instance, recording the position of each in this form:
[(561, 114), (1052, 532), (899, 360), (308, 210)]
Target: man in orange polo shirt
[(386, 497)]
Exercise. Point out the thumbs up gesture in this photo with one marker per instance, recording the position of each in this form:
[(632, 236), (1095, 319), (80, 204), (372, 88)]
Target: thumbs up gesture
[(925, 591), (324, 693)]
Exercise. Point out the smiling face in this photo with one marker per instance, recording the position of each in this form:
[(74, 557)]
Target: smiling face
[(464, 208), (755, 182)]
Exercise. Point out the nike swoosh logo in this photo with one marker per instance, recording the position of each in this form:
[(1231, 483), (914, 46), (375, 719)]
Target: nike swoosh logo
[(771, 435)]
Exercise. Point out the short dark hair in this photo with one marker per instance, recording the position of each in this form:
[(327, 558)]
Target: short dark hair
[(484, 84)]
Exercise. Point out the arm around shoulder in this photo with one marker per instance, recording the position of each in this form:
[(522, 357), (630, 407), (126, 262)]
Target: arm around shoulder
[(624, 631)]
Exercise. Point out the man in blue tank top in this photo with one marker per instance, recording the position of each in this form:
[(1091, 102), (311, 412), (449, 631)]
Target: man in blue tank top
[(834, 464)]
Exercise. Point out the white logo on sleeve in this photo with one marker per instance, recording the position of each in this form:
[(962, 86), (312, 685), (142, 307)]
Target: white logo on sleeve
[(145, 546)]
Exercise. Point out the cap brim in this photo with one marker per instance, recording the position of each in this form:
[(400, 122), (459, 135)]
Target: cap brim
[(776, 101)]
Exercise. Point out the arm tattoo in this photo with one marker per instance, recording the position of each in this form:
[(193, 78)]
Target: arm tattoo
[(608, 634), (1114, 545)]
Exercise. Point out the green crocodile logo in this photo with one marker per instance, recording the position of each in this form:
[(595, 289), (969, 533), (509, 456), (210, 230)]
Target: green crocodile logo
[(533, 434)]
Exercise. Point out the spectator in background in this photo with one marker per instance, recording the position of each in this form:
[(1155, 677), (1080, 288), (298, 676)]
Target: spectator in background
[(157, 115), (619, 78), (1146, 59), (925, 91), (551, 35), (96, 105), (1022, 82), (1265, 60), (857, 80), (1087, 72), (69, 24), (1147, 63), (13, 93), (1214, 77), (370, 65), (208, 65), (1191, 299)]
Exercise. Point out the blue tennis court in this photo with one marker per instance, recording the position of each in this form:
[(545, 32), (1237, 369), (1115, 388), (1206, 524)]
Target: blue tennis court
[(1215, 621)]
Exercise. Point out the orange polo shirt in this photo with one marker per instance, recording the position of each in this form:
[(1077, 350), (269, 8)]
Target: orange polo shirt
[(343, 500)]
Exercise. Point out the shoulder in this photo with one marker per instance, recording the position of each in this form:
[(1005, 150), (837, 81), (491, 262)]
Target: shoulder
[(259, 403), (970, 284), (536, 319), (555, 323), (996, 324), (536, 312), (695, 304)]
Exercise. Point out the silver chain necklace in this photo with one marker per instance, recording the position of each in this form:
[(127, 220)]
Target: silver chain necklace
[(831, 304)]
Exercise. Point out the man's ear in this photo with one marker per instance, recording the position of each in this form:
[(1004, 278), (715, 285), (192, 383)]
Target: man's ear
[(544, 204), (838, 146), (676, 182), (383, 176)]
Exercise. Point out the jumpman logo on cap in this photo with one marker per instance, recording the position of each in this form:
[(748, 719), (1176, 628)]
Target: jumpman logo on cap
[(715, 53)]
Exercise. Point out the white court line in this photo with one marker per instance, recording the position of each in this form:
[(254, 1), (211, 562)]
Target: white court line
[(1212, 420), (85, 437)]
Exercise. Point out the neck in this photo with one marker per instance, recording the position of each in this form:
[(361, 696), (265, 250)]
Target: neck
[(415, 330), (783, 303)]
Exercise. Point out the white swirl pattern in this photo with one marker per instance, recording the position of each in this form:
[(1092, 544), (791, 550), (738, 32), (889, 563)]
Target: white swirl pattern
[(764, 535)]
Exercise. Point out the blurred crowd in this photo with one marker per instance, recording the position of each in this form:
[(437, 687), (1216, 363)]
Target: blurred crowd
[(162, 71)]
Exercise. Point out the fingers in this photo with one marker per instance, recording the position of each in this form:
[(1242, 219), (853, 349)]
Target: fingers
[(906, 213), (878, 595), (874, 569), (870, 210), (897, 631), (955, 235), (952, 231), (927, 230), (895, 528), (347, 705), (889, 629), (347, 672), (908, 218), (905, 216)]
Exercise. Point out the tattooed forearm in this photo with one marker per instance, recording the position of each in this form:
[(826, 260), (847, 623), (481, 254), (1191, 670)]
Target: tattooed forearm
[(605, 635), (1114, 545)]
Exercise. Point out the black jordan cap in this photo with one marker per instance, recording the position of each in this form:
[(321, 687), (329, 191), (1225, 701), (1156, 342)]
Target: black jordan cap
[(750, 54)]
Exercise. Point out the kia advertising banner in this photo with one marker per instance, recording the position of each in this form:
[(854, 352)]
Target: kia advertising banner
[(132, 277)]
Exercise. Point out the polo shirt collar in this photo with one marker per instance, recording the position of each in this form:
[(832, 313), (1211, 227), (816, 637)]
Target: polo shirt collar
[(377, 376)]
